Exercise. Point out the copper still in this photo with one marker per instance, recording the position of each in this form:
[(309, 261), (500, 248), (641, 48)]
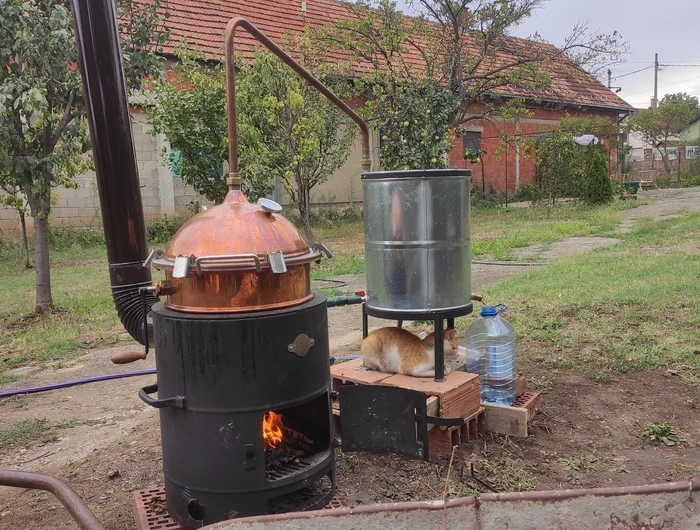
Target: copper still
[(236, 256)]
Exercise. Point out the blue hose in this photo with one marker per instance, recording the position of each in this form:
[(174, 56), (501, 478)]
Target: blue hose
[(76, 382)]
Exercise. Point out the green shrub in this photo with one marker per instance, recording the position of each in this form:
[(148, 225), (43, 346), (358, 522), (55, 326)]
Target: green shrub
[(668, 182), (528, 192), (493, 198), (64, 238), (163, 230), (691, 182), (325, 217), (598, 188)]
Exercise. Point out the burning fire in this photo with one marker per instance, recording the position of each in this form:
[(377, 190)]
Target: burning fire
[(272, 430)]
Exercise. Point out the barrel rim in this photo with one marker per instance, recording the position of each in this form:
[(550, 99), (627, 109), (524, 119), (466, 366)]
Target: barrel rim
[(415, 173)]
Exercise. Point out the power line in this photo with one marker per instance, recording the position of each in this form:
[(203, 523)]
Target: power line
[(648, 62), (664, 86), (635, 72)]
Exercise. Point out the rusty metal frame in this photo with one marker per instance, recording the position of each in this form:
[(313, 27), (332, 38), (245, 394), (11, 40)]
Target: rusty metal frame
[(36, 481), (478, 503), (289, 61)]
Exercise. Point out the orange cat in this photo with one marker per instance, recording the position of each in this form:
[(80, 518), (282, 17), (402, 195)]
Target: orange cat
[(398, 351)]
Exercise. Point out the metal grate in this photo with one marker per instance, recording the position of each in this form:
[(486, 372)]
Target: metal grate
[(277, 470)]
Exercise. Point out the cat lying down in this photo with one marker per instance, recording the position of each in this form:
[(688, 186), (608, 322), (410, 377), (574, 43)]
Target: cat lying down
[(397, 351)]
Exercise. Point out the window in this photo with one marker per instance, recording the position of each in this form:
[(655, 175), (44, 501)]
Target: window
[(175, 164), (472, 141)]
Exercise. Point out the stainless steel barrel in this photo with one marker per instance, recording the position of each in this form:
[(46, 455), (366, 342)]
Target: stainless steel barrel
[(417, 240)]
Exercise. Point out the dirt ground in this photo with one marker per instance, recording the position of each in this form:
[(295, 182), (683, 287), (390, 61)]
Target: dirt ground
[(105, 442)]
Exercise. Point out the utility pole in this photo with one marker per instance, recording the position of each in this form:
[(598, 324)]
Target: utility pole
[(655, 101)]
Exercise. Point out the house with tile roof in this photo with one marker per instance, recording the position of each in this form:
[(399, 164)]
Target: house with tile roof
[(572, 91), (201, 24)]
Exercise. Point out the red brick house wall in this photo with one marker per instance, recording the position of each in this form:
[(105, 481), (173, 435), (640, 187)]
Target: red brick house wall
[(513, 163)]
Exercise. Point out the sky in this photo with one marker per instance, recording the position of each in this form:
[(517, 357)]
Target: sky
[(671, 29)]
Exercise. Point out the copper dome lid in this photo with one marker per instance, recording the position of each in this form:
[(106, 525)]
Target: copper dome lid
[(236, 236)]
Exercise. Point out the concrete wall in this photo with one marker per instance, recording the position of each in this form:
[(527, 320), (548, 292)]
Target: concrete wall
[(162, 195)]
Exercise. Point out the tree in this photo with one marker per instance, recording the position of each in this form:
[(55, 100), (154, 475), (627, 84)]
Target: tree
[(683, 98), (560, 167), (286, 128), (598, 189), (13, 198), (414, 114), (190, 110), (659, 126), (302, 138), (415, 121), (44, 142), (563, 168), (464, 45)]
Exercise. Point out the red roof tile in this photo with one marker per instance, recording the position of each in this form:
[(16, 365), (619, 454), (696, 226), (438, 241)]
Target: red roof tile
[(201, 23)]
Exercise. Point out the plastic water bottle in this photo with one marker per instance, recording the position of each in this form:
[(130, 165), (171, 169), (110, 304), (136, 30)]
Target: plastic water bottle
[(491, 354)]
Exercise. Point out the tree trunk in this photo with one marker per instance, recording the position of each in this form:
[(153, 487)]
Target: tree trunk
[(483, 176), (305, 213), (25, 240), (44, 301)]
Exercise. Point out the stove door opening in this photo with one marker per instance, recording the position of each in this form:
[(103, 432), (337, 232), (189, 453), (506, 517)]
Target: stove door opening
[(295, 438)]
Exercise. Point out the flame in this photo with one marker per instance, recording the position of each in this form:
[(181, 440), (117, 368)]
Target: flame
[(272, 430)]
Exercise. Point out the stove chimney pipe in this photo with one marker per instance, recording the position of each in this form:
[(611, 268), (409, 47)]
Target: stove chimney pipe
[(107, 106)]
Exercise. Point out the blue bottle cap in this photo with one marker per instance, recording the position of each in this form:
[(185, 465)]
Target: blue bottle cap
[(489, 311)]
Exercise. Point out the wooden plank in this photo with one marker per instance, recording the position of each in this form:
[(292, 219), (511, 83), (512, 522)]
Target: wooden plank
[(355, 372), (502, 419), (512, 421), (433, 406), (520, 384)]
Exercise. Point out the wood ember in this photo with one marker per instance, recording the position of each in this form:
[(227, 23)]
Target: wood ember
[(295, 445)]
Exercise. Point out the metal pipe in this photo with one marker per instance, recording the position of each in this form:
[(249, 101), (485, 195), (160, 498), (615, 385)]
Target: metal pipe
[(439, 351), (337, 301), (36, 481), (118, 185), (234, 179)]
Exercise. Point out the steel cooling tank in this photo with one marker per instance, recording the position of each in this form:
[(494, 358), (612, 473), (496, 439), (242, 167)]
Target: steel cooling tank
[(417, 240)]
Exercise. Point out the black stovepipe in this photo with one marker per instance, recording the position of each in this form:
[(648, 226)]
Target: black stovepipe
[(107, 106)]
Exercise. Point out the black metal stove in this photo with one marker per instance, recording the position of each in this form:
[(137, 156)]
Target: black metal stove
[(219, 377)]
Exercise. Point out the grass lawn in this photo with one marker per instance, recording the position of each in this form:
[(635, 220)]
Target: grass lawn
[(632, 306), (86, 317)]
